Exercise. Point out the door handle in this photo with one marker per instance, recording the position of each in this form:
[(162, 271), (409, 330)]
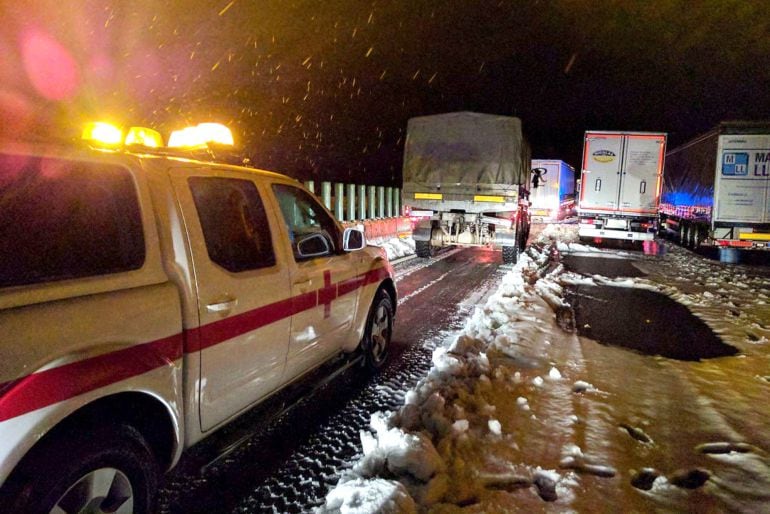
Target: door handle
[(224, 306), (303, 280)]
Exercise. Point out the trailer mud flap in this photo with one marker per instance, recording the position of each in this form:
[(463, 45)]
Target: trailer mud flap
[(422, 231)]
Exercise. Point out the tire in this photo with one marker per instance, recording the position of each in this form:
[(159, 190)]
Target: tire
[(525, 235), (379, 330), (684, 229), (698, 236), (56, 474), (510, 254), (523, 239), (422, 249), (692, 237)]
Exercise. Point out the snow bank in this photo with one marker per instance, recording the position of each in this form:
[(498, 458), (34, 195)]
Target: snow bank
[(446, 445), (360, 496), (500, 422), (395, 247)]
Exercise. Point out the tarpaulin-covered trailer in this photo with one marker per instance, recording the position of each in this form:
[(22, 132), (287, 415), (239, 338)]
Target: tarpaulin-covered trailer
[(466, 175)]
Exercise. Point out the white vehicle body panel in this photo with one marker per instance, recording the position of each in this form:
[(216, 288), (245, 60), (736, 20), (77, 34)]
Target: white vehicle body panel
[(621, 183), (599, 186), (742, 182), (622, 173), (557, 185), (642, 173), (234, 370)]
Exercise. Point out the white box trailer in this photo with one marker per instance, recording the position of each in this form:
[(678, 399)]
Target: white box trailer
[(620, 185), (554, 197), (717, 188)]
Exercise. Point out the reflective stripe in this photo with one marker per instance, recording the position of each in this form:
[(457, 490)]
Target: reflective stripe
[(756, 236), (488, 198)]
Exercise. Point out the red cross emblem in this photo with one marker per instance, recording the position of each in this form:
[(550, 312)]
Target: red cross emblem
[(327, 294)]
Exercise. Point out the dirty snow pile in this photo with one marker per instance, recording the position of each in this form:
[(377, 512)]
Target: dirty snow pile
[(457, 439), (395, 246), (565, 237)]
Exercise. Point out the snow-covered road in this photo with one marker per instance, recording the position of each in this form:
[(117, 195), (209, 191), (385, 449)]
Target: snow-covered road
[(519, 415)]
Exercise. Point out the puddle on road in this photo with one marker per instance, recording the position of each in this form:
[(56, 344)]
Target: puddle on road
[(644, 321)]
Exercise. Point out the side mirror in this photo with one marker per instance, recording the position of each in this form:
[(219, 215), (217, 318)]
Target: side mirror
[(353, 239), (313, 245)]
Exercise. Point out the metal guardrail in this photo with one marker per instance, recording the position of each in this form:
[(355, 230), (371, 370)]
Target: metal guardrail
[(351, 202)]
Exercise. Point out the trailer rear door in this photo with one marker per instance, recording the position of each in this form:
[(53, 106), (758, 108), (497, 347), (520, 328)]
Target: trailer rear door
[(742, 186), (545, 198), (642, 173), (600, 179)]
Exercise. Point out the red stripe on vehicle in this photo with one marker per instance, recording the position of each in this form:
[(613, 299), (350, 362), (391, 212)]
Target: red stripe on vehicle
[(54, 385), (51, 386), (350, 285), (375, 275), (228, 328)]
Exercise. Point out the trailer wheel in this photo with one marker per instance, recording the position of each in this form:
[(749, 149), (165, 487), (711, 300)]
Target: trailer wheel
[(422, 249), (524, 231), (698, 236), (510, 254), (684, 229)]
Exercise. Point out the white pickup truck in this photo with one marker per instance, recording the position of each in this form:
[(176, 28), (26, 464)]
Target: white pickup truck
[(147, 299)]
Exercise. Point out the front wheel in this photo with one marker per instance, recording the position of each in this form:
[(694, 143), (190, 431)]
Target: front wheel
[(379, 330), (102, 469)]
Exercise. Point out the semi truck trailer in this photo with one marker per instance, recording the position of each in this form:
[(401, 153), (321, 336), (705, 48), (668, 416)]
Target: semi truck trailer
[(553, 196), (620, 185), (717, 188), (465, 179)]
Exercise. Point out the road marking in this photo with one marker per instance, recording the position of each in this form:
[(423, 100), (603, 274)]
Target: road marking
[(423, 288), (425, 263)]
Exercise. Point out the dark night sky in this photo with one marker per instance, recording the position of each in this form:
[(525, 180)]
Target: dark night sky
[(324, 89)]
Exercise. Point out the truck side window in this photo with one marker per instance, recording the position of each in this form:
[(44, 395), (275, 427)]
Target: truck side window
[(63, 219), (234, 223), (304, 217)]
